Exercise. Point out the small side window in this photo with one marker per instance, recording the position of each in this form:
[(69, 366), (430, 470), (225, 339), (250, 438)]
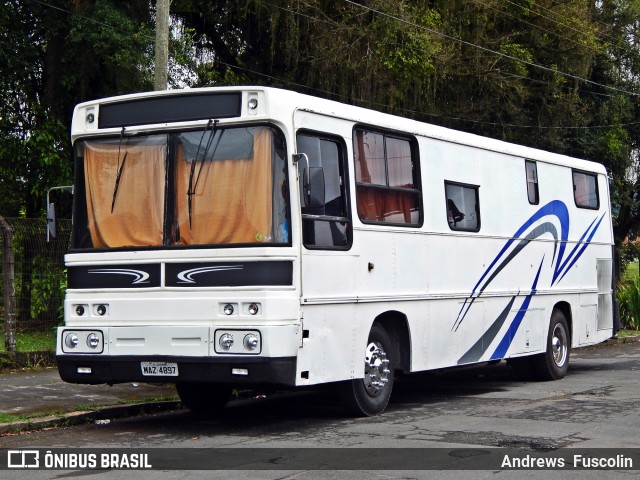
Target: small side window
[(463, 206), (585, 190), (532, 182)]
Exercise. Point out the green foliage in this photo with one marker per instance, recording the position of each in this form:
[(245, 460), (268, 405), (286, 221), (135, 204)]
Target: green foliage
[(451, 62), (48, 285), (34, 342), (113, 50), (68, 52), (407, 50), (628, 295)]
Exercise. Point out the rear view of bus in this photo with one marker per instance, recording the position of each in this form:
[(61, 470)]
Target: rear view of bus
[(181, 267)]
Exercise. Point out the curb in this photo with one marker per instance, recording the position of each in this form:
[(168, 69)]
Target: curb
[(619, 340), (82, 417), (19, 360)]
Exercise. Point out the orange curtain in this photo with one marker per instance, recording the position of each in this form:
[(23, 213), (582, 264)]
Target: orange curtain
[(233, 199), (137, 215), (381, 205), (399, 165)]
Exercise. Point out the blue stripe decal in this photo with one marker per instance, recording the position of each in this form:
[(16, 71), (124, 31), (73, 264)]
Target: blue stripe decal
[(579, 254), (554, 208), (505, 343), (478, 349), (512, 248)]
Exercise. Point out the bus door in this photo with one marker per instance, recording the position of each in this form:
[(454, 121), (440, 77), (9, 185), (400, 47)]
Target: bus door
[(326, 219), (328, 263)]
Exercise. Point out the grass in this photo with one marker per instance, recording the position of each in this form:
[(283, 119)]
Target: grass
[(12, 417), (33, 342), (631, 272), (628, 333)]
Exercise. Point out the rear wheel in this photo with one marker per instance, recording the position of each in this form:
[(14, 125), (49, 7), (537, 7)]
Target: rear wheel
[(554, 363), (370, 395), (206, 398)]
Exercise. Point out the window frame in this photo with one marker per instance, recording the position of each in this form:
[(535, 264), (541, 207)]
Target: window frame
[(476, 189), (575, 171), (345, 192), (536, 183), (416, 170), (79, 207)]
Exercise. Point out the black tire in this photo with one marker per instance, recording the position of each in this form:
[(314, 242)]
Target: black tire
[(554, 363), (204, 398), (368, 396)]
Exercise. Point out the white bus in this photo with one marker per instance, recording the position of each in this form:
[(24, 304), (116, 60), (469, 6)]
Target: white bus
[(243, 236)]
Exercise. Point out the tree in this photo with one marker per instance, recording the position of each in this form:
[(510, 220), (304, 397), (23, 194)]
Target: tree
[(557, 75), (69, 52)]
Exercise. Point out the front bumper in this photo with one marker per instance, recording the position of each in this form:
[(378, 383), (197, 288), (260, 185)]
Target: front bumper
[(120, 369)]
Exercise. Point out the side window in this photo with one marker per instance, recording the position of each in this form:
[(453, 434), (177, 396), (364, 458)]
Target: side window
[(322, 185), (585, 190), (463, 206), (532, 182), (387, 181)]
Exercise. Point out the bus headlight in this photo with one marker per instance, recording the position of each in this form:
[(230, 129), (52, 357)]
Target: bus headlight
[(71, 340), (93, 340), (226, 341), (237, 342), (82, 341), (250, 341)]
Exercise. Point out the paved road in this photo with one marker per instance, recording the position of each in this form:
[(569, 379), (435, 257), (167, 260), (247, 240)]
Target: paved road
[(596, 405)]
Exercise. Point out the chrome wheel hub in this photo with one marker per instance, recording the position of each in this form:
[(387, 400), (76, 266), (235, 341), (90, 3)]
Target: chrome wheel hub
[(559, 345), (376, 371)]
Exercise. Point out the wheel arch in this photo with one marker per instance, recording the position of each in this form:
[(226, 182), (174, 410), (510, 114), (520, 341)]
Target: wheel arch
[(397, 327), (565, 308)]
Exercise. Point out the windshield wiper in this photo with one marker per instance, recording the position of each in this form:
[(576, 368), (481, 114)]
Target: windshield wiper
[(192, 186), (119, 171)]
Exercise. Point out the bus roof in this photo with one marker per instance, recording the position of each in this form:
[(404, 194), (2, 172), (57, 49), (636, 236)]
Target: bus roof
[(289, 101)]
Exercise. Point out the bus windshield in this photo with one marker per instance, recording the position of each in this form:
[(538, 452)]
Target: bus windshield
[(213, 186)]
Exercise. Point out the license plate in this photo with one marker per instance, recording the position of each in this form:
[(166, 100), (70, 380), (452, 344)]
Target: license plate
[(159, 369)]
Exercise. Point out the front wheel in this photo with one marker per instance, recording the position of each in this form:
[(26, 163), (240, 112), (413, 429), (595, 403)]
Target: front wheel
[(368, 396), (205, 398), (554, 363)]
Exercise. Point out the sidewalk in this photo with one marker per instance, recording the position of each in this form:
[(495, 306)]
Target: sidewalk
[(39, 398)]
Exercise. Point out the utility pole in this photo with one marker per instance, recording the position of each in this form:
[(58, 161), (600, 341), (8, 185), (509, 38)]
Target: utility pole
[(8, 286), (162, 44)]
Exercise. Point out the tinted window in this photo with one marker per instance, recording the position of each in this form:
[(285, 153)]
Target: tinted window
[(585, 190), (463, 209), (532, 182), (325, 224), (387, 183)]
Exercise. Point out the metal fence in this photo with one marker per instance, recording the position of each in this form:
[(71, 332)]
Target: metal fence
[(32, 300)]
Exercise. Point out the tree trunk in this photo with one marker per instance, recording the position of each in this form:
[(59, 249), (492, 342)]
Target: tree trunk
[(162, 44)]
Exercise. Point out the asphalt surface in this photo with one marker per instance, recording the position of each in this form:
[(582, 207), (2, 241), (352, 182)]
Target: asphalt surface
[(451, 416), (40, 399)]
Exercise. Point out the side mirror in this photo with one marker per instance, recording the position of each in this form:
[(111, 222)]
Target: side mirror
[(51, 212), (313, 185), (51, 221)]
